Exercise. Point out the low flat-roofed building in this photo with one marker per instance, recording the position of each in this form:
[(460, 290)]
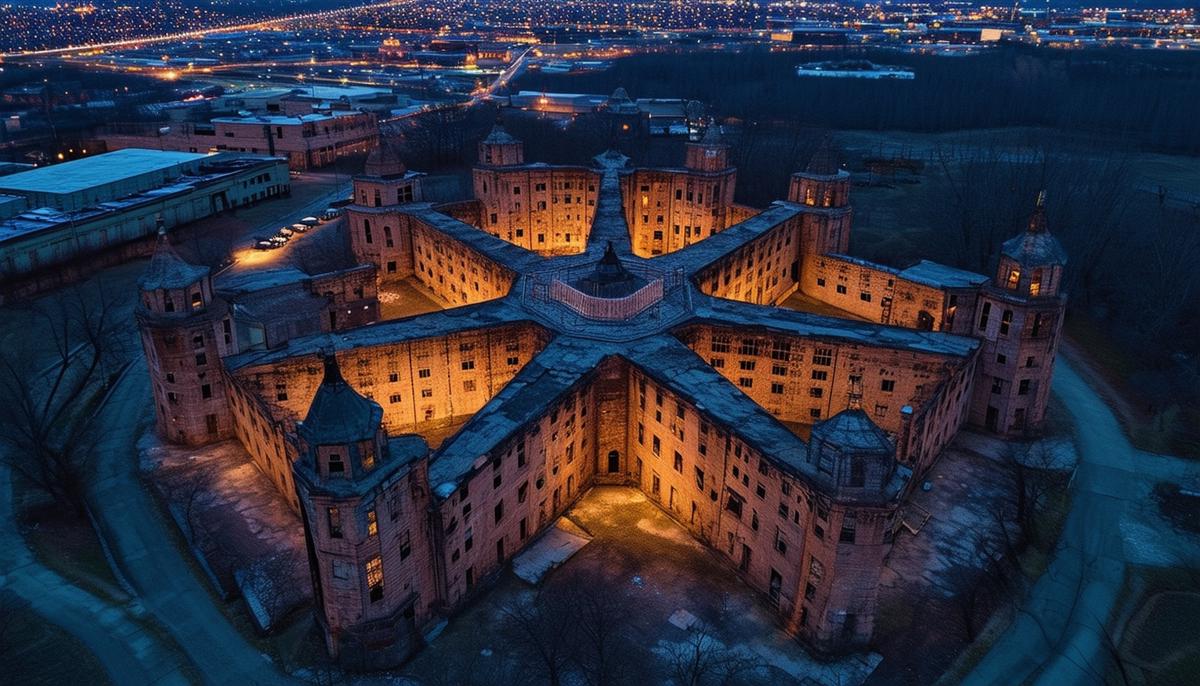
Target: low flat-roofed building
[(67, 219), (10, 205), (88, 181), (306, 141)]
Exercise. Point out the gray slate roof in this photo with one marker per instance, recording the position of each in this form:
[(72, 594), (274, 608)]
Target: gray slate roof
[(719, 312), (441, 323), (852, 431), (338, 414), (168, 270), (1035, 249)]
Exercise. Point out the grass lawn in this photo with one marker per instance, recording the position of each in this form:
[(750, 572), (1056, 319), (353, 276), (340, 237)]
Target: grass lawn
[(64, 543), (1160, 645), (35, 652)]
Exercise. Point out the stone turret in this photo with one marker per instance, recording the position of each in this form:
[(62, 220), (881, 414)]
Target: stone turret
[(822, 183), (1031, 264), (1019, 317), (500, 149), (855, 452), (850, 534), (386, 180), (824, 186), (710, 153), (185, 330), (363, 502)]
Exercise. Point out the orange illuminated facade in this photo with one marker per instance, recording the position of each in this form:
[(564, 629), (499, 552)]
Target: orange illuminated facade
[(423, 453)]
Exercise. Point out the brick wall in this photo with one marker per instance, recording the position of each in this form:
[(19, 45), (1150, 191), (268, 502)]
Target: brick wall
[(548, 210)]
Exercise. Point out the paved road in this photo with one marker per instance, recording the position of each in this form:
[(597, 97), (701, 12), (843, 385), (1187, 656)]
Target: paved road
[(1058, 637), (129, 654), (134, 527)]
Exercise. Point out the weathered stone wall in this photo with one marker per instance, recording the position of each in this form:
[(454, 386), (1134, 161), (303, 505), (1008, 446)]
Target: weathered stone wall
[(401, 245), (422, 385), (265, 433), (545, 209), (380, 192), (803, 380), (763, 271), (399, 540), (184, 333), (518, 489), (1020, 337), (353, 296), (455, 272), (669, 209), (768, 523), (874, 292)]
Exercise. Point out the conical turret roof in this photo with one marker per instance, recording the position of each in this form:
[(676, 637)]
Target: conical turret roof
[(852, 431), (822, 162), (338, 414), (610, 278), (385, 161), (1036, 246), (499, 136), (712, 134), (167, 269)]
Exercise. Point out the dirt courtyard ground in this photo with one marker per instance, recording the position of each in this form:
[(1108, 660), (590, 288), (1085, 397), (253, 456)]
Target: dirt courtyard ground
[(642, 561)]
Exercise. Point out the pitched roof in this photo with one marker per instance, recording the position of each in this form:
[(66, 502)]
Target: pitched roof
[(712, 134), (1036, 247), (385, 161), (168, 270), (338, 414), (499, 136), (822, 162), (852, 431), (610, 278)]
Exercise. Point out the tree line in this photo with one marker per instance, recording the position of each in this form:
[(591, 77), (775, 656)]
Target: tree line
[(1146, 96)]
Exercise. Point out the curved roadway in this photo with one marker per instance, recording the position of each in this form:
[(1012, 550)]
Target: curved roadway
[(1061, 633)]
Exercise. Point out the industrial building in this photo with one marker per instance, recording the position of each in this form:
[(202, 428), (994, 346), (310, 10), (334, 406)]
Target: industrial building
[(53, 215)]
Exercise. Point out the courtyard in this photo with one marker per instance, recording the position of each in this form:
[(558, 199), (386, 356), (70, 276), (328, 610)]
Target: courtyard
[(642, 592)]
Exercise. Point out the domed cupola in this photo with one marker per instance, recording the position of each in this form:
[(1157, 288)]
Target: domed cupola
[(854, 451), (342, 431), (385, 161), (172, 286), (1031, 264), (610, 278)]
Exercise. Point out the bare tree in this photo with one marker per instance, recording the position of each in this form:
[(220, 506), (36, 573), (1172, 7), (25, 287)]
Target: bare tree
[(601, 630), (540, 629), (1035, 477), (273, 581), (703, 660), (51, 386)]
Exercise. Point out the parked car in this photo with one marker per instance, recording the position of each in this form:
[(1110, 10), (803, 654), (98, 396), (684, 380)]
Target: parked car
[(299, 228), (279, 241), (285, 232), (264, 244), (310, 221), (330, 213)]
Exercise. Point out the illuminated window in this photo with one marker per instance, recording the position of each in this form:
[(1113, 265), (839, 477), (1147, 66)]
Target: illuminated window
[(372, 523), (335, 522), (1014, 275), (375, 578), (1035, 284)]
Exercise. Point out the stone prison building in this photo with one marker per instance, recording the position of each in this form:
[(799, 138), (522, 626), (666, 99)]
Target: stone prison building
[(601, 324)]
